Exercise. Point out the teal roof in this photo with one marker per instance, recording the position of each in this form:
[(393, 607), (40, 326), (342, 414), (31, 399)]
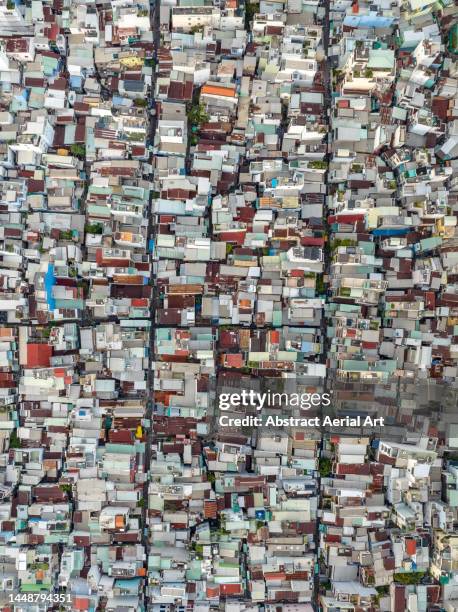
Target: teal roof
[(430, 243), (75, 304), (265, 128), (132, 584), (49, 64), (381, 59), (122, 449), (99, 211), (388, 365)]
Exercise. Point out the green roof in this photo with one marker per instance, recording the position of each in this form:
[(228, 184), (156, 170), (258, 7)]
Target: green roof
[(382, 59), (389, 365), (122, 449), (35, 588), (99, 211), (430, 243), (453, 39), (265, 128)]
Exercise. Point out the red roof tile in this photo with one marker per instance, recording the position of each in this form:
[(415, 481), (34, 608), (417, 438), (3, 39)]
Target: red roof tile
[(39, 355)]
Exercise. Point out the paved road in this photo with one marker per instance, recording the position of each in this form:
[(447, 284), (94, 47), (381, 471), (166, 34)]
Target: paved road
[(155, 27), (327, 105)]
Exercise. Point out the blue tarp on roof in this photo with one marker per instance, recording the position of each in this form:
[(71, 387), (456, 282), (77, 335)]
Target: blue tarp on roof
[(398, 231), (76, 82), (50, 281), (368, 21), (120, 101), (130, 584)]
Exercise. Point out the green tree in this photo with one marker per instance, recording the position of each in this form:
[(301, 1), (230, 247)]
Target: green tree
[(251, 8), (78, 150), (197, 115), (15, 441), (408, 577), (318, 165), (66, 235), (342, 242), (320, 286), (325, 467), (93, 228)]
